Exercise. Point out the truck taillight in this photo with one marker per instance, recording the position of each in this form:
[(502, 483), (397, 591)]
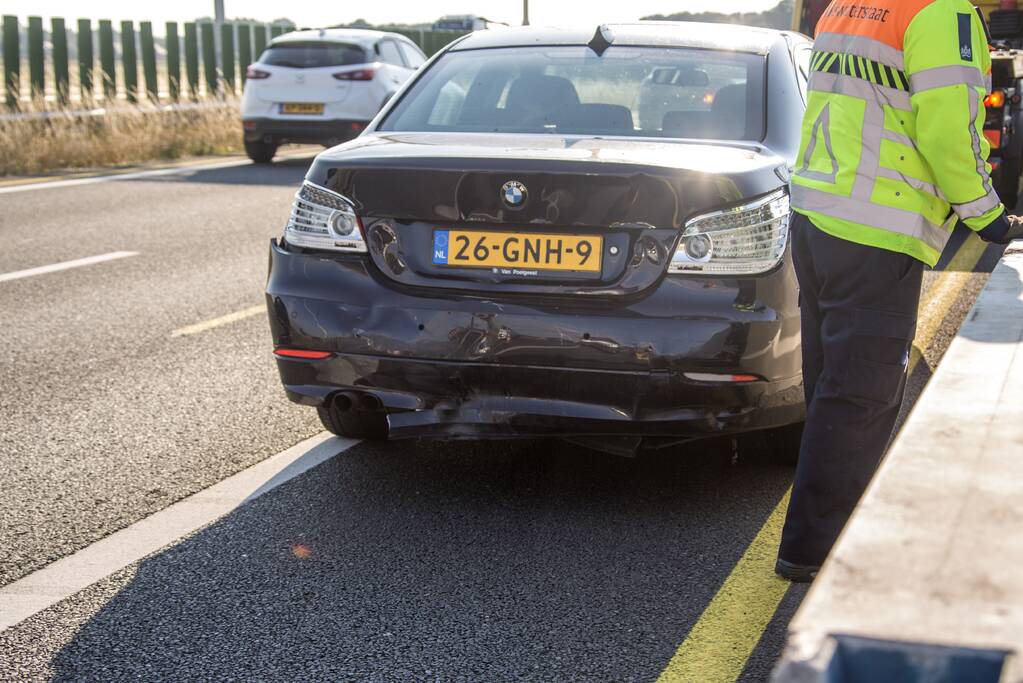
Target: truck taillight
[(995, 100), (994, 137)]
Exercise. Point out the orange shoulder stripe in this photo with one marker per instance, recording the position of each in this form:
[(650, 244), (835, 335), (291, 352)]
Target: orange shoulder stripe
[(883, 20)]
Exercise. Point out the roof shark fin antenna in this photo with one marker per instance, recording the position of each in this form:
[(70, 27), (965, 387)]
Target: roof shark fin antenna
[(601, 40)]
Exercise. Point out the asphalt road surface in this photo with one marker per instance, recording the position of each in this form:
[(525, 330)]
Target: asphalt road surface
[(144, 376)]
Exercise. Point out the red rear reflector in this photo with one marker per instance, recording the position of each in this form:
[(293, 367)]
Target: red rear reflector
[(358, 126), (714, 377), (994, 137), (302, 353), (249, 125)]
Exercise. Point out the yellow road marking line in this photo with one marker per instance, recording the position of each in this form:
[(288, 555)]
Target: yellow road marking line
[(723, 638), (943, 294), (718, 646), (217, 322)]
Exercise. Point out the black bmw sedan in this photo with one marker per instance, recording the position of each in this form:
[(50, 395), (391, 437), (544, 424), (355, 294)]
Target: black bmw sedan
[(577, 234)]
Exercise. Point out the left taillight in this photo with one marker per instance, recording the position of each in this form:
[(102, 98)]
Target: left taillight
[(254, 74), (323, 219), (356, 75)]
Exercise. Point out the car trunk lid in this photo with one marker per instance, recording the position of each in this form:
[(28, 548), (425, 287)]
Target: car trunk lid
[(541, 199)]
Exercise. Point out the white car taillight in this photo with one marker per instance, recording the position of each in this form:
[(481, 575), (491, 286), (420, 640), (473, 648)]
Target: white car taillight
[(745, 240), (254, 74), (322, 219)]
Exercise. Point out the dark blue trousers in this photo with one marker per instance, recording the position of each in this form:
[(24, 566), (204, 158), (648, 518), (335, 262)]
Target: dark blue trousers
[(859, 308)]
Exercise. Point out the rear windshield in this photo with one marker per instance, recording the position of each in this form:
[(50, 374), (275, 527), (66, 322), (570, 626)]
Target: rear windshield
[(313, 55), (629, 91)]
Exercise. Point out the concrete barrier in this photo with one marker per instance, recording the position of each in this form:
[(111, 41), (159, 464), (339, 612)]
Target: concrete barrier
[(926, 581)]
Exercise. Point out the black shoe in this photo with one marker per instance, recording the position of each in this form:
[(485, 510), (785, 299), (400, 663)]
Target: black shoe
[(796, 573)]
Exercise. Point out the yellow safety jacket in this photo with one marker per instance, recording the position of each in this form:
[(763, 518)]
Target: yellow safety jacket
[(893, 150)]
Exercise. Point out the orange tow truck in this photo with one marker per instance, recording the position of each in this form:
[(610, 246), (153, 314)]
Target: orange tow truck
[(1003, 125)]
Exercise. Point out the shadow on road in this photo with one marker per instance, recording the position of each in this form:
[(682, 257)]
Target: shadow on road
[(525, 561)]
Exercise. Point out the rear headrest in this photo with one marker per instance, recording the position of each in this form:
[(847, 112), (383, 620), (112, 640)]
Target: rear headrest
[(547, 92), (594, 117), (730, 99), (729, 109)]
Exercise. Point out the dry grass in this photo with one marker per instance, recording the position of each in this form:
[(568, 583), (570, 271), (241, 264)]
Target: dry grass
[(41, 140)]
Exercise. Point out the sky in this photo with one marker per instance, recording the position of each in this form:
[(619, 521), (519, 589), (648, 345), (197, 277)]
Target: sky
[(318, 13)]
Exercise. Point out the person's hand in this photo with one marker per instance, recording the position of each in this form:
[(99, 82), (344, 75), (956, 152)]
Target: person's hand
[(1015, 230), (1003, 229)]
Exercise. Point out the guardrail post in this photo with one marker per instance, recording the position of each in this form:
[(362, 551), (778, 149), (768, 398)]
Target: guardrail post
[(149, 59), (61, 75), (106, 59), (12, 62), (173, 62), (209, 58), (259, 40), (244, 49), (129, 61), (227, 64), (192, 59), (85, 59), (36, 67)]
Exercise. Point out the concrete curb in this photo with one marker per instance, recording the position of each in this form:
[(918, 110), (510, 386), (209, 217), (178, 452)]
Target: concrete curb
[(926, 581)]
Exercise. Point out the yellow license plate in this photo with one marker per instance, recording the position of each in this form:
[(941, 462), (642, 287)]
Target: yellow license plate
[(302, 108), (514, 250)]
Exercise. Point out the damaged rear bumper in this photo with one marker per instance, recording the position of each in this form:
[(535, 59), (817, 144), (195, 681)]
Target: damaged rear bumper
[(447, 365)]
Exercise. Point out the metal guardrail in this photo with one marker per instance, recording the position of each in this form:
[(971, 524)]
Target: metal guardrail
[(926, 581), (240, 44)]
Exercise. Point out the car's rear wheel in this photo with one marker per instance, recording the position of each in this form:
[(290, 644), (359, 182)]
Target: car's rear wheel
[(345, 418), (260, 152)]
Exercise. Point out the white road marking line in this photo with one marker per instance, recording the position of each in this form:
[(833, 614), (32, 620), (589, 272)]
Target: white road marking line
[(217, 322), (65, 577), (134, 175), (66, 265)]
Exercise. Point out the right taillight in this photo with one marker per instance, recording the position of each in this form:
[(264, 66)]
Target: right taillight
[(322, 219), (254, 74), (356, 75), (745, 240)]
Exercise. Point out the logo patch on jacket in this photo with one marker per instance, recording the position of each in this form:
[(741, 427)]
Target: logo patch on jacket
[(966, 37)]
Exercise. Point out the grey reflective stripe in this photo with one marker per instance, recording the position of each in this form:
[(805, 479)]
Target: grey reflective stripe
[(870, 152), (981, 161), (877, 216), (821, 81), (899, 138), (823, 121), (868, 48), (944, 76), (915, 183), (977, 208)]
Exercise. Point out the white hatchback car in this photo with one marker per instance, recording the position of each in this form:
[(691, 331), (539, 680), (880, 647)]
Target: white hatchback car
[(322, 86)]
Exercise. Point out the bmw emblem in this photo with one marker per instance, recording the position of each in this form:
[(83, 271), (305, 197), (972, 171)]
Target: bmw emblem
[(514, 194)]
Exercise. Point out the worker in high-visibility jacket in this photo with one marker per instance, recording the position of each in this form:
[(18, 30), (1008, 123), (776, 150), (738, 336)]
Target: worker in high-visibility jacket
[(893, 155)]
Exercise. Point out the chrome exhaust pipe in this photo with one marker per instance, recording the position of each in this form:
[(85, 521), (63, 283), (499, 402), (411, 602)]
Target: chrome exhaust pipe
[(344, 401), (368, 402)]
